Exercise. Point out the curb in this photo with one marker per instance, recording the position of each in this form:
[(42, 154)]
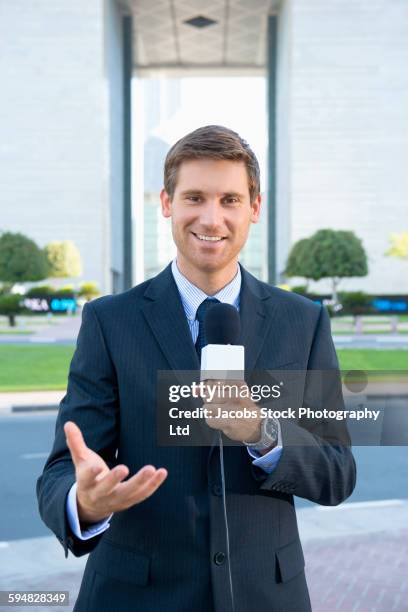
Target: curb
[(42, 408)]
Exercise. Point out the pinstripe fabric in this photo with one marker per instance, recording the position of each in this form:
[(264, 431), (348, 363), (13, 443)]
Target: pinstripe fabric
[(159, 554)]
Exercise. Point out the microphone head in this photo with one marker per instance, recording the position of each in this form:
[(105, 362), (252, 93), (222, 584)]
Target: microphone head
[(222, 324)]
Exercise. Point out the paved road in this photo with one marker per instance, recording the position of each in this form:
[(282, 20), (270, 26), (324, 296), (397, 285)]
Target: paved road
[(381, 342), (25, 441), (356, 554), (67, 335)]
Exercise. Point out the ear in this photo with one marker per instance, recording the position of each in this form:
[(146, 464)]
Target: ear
[(256, 209), (165, 203)]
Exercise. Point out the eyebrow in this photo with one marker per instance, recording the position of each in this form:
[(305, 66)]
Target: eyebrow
[(233, 194)]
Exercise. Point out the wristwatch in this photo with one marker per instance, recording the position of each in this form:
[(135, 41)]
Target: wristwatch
[(269, 435)]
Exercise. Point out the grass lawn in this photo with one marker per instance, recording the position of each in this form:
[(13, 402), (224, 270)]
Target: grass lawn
[(15, 332), (366, 359), (25, 367), (365, 332)]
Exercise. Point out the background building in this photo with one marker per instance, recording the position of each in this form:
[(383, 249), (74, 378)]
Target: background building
[(336, 98), (61, 122)]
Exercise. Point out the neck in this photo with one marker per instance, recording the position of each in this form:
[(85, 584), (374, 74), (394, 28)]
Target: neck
[(208, 281)]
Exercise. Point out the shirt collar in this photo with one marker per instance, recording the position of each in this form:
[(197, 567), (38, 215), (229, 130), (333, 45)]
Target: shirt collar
[(192, 296)]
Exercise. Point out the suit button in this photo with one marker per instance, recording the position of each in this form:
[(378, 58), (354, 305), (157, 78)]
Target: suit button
[(219, 558), (217, 490)]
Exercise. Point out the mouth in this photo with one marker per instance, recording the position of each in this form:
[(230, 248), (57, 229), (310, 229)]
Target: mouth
[(205, 238)]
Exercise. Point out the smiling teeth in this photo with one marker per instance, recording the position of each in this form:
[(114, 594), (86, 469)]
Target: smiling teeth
[(210, 238)]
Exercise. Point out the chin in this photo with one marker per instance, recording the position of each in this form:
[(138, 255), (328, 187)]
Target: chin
[(210, 264)]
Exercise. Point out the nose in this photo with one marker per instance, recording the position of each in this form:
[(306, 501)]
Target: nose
[(211, 216)]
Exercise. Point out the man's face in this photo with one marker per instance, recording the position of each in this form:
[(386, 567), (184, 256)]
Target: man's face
[(211, 213)]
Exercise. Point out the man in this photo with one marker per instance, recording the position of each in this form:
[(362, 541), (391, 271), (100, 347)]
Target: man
[(158, 539)]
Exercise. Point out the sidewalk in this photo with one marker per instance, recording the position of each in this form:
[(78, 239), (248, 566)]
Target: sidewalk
[(64, 330), (38, 399), (371, 341), (356, 559), (365, 573), (356, 555)]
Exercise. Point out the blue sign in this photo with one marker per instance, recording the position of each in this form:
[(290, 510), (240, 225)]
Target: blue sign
[(50, 304), (385, 305), (63, 305)]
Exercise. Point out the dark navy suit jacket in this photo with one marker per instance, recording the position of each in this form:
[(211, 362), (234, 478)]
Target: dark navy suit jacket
[(160, 554)]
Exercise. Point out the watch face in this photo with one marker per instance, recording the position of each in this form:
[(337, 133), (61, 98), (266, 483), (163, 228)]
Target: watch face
[(269, 435), (271, 429)]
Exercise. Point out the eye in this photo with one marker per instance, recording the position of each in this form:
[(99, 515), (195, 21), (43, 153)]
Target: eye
[(231, 200), (193, 198)]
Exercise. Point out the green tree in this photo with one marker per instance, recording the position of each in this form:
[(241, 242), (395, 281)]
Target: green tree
[(10, 306), (63, 258), (399, 245), (333, 254), (21, 260), (39, 291), (297, 262), (89, 290)]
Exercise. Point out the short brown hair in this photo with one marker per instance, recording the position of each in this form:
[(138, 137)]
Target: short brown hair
[(211, 142)]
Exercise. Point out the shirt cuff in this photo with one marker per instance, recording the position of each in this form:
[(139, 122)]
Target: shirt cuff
[(269, 461), (73, 519)]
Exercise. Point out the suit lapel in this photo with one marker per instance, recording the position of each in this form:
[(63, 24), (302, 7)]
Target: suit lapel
[(256, 313), (166, 318)]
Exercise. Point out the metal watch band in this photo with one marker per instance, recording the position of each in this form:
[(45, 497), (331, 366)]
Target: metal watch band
[(269, 435)]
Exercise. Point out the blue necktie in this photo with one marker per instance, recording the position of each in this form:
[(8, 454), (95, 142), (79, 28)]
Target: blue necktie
[(200, 314)]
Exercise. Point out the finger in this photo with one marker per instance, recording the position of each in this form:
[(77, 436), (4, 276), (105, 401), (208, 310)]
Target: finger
[(225, 392), (136, 491), (219, 398), (217, 423), (137, 480), (214, 409), (75, 442), (88, 473), (214, 425), (211, 411), (109, 481)]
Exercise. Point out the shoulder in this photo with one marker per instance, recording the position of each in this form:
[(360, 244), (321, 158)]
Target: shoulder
[(294, 300), (119, 302), (130, 302), (302, 312), (291, 302)]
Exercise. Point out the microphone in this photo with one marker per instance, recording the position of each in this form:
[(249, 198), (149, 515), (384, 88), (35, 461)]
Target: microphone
[(222, 328), (222, 355)]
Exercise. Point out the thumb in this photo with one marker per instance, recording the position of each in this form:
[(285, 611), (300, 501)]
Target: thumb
[(75, 441)]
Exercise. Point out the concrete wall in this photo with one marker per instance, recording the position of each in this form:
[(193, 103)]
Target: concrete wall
[(283, 135), (56, 142), (114, 82), (347, 127)]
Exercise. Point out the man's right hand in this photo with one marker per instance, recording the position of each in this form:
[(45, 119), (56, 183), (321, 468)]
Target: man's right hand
[(100, 491)]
